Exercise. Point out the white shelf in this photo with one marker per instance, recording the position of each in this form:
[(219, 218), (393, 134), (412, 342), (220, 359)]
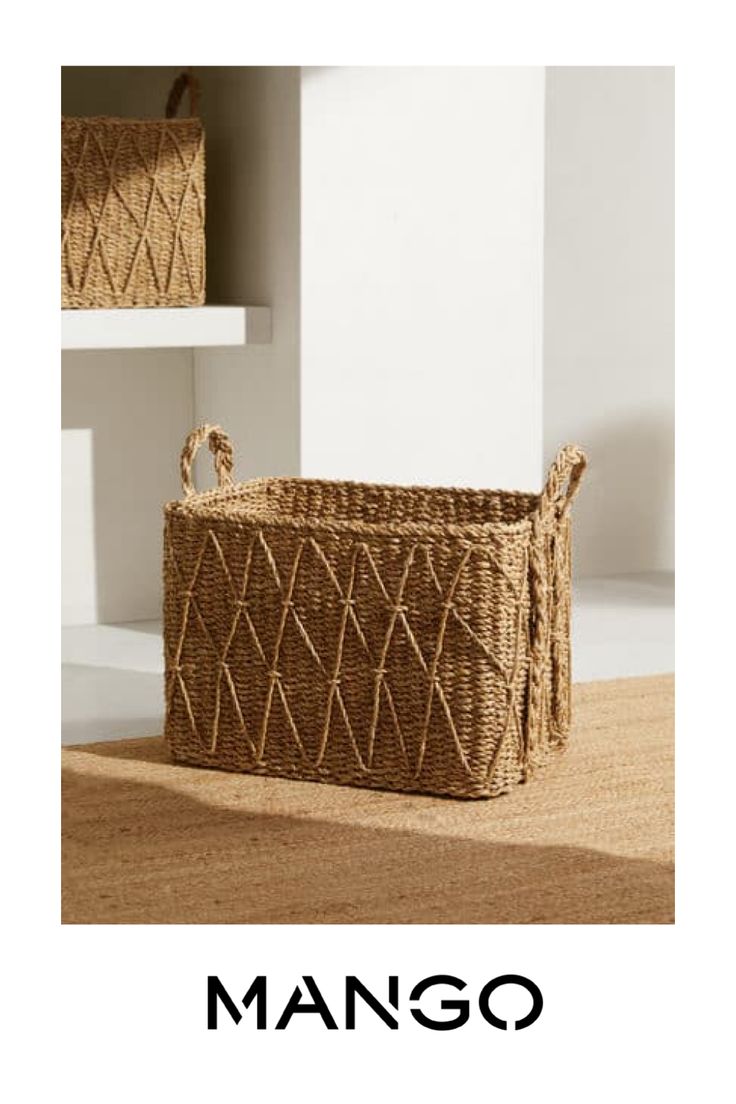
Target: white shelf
[(623, 625), (112, 684), (112, 678), (165, 327)]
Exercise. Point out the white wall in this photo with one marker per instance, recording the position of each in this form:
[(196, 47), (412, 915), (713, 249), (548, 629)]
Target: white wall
[(609, 325), (422, 208)]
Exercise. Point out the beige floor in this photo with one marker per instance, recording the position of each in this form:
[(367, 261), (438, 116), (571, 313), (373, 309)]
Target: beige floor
[(588, 841)]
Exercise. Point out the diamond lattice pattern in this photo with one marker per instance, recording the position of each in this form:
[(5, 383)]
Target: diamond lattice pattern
[(388, 658)]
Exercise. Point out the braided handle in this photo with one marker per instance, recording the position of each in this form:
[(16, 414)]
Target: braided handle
[(220, 447), (183, 81), (563, 481)]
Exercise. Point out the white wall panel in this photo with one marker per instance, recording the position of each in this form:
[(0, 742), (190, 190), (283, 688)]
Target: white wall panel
[(609, 307), (422, 208)]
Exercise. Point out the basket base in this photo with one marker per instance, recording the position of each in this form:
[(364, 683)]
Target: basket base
[(303, 773)]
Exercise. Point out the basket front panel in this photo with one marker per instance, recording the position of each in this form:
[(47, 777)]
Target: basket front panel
[(382, 662), (132, 213)]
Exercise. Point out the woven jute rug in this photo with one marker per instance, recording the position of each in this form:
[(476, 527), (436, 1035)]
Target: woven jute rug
[(588, 840)]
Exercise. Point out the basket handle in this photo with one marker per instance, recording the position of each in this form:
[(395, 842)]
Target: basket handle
[(185, 81), (221, 448), (563, 481)]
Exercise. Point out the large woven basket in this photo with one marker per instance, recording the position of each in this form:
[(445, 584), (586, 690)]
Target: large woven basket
[(404, 638), (132, 209)]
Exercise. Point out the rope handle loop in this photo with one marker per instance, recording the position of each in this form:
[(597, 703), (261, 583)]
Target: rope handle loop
[(221, 448), (563, 481), (184, 82)]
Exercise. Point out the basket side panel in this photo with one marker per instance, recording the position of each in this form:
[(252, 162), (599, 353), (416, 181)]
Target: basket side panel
[(560, 662), (548, 725)]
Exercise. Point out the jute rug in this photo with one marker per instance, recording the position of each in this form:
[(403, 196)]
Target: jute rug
[(588, 841)]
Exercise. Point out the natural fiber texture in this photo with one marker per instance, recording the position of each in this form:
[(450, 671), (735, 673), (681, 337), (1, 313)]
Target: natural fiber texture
[(405, 638), (145, 841), (132, 210)]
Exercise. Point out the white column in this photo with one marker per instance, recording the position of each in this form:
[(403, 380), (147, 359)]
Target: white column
[(421, 278)]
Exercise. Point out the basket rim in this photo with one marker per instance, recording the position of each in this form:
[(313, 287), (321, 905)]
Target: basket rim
[(188, 507)]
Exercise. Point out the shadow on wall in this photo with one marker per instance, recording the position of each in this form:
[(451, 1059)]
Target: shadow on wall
[(624, 515), (141, 853)]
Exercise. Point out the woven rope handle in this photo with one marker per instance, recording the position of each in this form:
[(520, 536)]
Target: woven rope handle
[(183, 82), (563, 481), (220, 447)]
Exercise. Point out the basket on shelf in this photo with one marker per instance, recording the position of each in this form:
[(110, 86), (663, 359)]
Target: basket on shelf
[(403, 638), (132, 209)]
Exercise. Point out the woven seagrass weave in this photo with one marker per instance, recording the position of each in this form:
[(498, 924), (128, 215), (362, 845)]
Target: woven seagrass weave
[(404, 638), (132, 209)]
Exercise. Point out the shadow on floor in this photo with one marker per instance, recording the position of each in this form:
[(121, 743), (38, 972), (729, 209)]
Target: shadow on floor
[(142, 853)]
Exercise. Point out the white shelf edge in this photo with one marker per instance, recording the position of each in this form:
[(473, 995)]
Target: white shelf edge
[(165, 327)]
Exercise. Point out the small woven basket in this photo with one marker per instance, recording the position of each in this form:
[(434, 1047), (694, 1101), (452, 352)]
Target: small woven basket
[(403, 638), (132, 209)]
